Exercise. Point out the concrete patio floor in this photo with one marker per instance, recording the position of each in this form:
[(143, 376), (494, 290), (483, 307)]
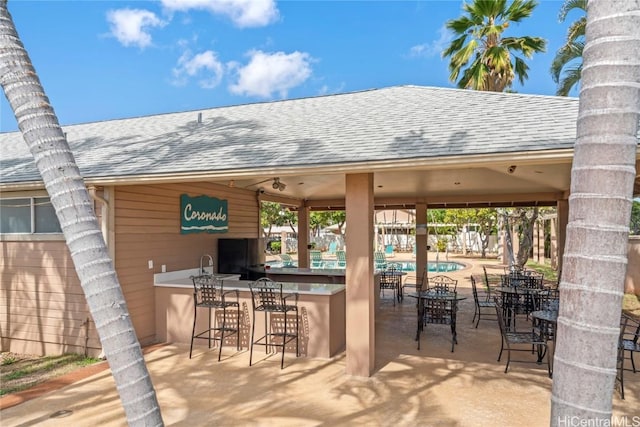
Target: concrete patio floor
[(427, 387)]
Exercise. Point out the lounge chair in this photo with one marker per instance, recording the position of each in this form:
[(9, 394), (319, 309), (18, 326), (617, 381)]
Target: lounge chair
[(380, 260), (388, 251), (287, 261), (341, 256), (332, 248), (316, 259)]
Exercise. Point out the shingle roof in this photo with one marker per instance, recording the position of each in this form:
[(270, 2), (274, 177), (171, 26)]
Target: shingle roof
[(401, 122)]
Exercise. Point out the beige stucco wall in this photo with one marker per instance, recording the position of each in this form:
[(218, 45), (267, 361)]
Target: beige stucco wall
[(632, 282), (42, 305)]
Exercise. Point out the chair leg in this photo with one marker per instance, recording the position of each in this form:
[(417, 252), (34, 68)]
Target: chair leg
[(238, 329), (253, 330), (284, 340), (193, 331), (224, 326), (633, 363), (506, 368), (266, 336), (297, 333)]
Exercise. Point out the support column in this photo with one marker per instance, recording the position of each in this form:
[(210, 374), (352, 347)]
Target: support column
[(563, 219), (303, 237), (422, 235), (360, 289)]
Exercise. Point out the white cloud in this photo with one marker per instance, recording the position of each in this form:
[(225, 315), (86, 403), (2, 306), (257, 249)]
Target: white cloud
[(205, 66), (244, 13), (131, 26), (268, 73), (433, 48), (326, 90)]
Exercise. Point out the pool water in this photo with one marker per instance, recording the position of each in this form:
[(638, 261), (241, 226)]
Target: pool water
[(440, 267)]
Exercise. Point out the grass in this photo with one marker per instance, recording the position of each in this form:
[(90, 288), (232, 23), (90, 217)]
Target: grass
[(19, 372)]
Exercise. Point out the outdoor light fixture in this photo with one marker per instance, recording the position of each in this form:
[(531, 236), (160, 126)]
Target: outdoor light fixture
[(277, 185)]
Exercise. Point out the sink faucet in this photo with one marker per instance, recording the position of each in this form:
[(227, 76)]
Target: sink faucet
[(202, 266)]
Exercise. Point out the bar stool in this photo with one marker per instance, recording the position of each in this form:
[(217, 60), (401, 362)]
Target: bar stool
[(209, 293), (267, 297)]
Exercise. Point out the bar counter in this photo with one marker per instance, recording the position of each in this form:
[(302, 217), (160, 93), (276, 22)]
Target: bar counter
[(321, 307), (303, 275)]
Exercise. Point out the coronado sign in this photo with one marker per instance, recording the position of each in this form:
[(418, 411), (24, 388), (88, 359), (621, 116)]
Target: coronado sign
[(203, 214)]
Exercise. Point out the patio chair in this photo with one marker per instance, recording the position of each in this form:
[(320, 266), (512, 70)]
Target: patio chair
[(341, 256), (630, 339), (316, 259), (286, 259), (267, 297), (421, 282), (209, 293), (439, 308), (482, 302), (391, 279), (441, 283), (514, 341), (380, 260)]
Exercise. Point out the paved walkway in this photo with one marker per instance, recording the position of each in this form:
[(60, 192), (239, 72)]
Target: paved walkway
[(427, 387)]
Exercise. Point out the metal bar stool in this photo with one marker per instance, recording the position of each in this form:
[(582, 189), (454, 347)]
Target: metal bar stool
[(209, 293), (267, 297)]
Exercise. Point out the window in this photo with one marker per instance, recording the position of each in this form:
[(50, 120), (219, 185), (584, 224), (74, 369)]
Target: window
[(28, 215)]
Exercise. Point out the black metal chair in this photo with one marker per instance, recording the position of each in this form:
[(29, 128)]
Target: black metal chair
[(267, 297), (630, 339), (209, 293), (391, 279), (620, 360), (514, 341), (483, 301), (439, 308), (441, 283)]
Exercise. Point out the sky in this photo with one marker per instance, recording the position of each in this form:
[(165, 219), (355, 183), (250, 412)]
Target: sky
[(105, 60)]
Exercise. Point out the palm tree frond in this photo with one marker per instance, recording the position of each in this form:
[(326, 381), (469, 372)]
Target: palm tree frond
[(571, 78), (454, 46), (527, 45), (566, 54), (461, 25), (519, 10), (576, 29), (521, 70), (570, 5)]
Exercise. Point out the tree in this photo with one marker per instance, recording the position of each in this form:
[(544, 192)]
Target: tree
[(602, 178), (525, 218), (272, 213), (635, 219), (490, 59), (69, 196), (568, 59)]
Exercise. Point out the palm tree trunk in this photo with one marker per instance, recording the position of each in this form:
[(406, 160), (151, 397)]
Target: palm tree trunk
[(595, 256), (70, 198)]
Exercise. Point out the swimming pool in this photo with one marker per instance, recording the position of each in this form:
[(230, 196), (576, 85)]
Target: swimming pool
[(439, 267)]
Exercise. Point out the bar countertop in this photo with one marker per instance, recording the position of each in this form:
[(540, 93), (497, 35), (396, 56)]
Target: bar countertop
[(182, 279)]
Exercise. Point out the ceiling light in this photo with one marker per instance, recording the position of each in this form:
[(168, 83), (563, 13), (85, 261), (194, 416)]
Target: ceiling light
[(277, 185)]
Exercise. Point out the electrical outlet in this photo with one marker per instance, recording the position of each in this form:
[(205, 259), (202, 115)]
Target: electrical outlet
[(164, 268), (150, 264)]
